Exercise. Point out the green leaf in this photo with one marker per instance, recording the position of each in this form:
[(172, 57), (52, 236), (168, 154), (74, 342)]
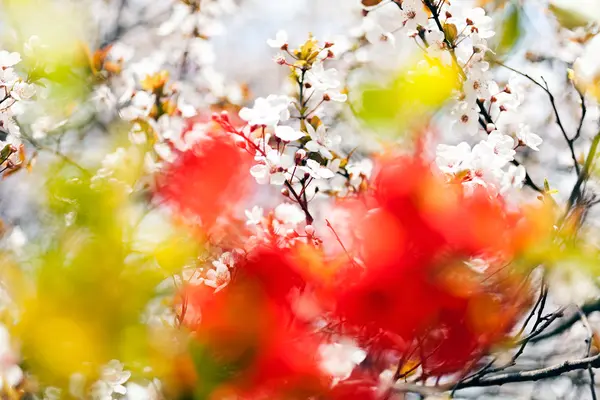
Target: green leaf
[(569, 18), (510, 30)]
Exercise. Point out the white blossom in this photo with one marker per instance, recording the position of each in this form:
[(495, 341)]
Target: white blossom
[(289, 213), (413, 14), (453, 159), (254, 216), (529, 138), (140, 106), (477, 17), (112, 379), (22, 91), (340, 359), (467, 118), (218, 276), (288, 134), (321, 142), (281, 39), (318, 171), (8, 59), (267, 111)]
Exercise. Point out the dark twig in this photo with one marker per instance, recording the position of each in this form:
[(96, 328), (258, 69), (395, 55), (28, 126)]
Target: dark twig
[(583, 114), (533, 375), (583, 175), (588, 340), (546, 89), (567, 323)]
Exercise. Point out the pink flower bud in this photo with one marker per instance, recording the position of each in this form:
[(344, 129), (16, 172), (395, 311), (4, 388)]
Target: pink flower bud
[(310, 230)]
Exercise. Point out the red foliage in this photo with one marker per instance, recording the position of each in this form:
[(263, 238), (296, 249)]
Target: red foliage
[(248, 327), (415, 232), (207, 180), (412, 295)]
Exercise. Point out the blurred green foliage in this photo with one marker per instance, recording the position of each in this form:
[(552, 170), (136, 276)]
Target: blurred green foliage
[(404, 104), (509, 30), (58, 58), (83, 297)]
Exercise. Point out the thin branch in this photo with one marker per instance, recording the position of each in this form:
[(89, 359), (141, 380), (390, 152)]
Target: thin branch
[(546, 89), (583, 114), (583, 175), (589, 339), (533, 375), (567, 323)]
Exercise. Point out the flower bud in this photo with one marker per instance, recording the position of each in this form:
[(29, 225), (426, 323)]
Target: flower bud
[(291, 233), (310, 230), (279, 59), (299, 156), (490, 128), (285, 192)]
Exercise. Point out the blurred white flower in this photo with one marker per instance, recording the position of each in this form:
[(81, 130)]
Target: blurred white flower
[(467, 118), (496, 151), (8, 77), (289, 213), (340, 359), (477, 17), (16, 239), (288, 134), (22, 91), (453, 159), (10, 372), (151, 391), (322, 79), (112, 378), (321, 142), (281, 39), (254, 216), (8, 59), (267, 111), (141, 105), (413, 14), (52, 393), (325, 81), (318, 171), (513, 178), (219, 276), (529, 138)]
